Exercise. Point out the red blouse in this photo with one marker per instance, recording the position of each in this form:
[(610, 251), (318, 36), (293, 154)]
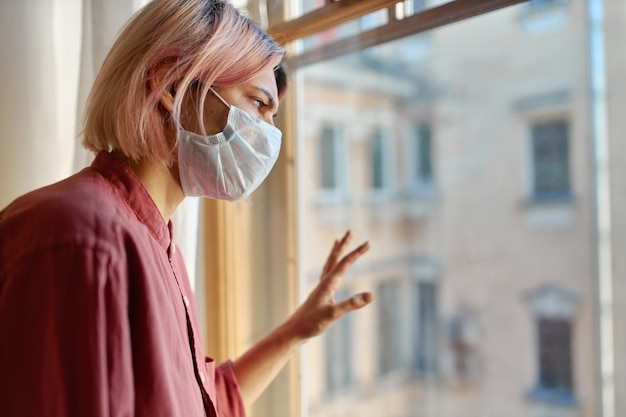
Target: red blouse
[(97, 316)]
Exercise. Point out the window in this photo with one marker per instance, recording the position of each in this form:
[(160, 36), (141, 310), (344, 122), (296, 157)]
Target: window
[(420, 159), (481, 156), (551, 164), (554, 310), (381, 163), (426, 355), (435, 334), (555, 355), (331, 162), (424, 172), (328, 159), (389, 327)]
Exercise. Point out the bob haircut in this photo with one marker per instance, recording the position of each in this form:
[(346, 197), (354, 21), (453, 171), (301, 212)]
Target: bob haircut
[(195, 40)]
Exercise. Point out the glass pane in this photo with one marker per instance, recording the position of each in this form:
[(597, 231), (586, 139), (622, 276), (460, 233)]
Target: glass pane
[(328, 158), (483, 260)]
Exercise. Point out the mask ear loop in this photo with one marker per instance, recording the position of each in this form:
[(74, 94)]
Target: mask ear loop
[(220, 97)]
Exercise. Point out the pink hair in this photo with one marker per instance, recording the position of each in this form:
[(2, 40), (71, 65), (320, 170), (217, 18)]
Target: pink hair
[(203, 40)]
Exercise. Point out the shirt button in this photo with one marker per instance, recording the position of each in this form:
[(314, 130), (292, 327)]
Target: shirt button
[(186, 300), (202, 377)]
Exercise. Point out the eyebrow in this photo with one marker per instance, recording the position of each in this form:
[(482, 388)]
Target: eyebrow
[(270, 98)]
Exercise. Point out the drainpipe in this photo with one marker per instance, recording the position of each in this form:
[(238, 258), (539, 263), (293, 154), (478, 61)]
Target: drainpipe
[(604, 250)]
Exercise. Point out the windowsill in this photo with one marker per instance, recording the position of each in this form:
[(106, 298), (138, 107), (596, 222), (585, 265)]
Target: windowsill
[(425, 192), (421, 192), (554, 396), (383, 196), (397, 206), (550, 200), (332, 199), (557, 211), (393, 379)]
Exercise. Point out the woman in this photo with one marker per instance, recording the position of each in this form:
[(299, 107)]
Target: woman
[(96, 312)]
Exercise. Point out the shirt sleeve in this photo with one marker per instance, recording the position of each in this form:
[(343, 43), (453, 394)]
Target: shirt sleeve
[(228, 396), (64, 336)]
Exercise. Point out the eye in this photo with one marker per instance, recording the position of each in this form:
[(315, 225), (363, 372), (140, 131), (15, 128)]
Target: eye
[(258, 103)]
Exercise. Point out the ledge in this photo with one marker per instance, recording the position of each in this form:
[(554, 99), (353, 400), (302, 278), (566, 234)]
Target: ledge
[(554, 396)]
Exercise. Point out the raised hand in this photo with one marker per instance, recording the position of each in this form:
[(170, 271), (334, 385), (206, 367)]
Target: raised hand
[(256, 368), (320, 309)]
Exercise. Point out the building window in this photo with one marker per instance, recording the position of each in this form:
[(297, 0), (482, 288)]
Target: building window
[(554, 310), (378, 162), (338, 347), (328, 158), (426, 354), (382, 163), (551, 164), (389, 327), (420, 159), (332, 163), (555, 355)]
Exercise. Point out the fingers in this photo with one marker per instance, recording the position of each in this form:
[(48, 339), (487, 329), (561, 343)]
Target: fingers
[(335, 253), (330, 281), (331, 260), (351, 258), (353, 303)]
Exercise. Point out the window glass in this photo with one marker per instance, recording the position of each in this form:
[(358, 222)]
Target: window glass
[(555, 360), (389, 327), (483, 261), (329, 158), (380, 169), (425, 327), (422, 154), (550, 147)]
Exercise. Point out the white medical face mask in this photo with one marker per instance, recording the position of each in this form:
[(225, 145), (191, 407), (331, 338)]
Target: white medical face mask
[(231, 164)]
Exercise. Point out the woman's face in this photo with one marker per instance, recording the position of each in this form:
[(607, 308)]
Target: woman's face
[(258, 97)]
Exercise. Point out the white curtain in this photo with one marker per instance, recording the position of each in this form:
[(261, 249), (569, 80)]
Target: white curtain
[(38, 105), (101, 21), (51, 51)]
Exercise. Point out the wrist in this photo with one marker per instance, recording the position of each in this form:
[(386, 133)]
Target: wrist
[(289, 334)]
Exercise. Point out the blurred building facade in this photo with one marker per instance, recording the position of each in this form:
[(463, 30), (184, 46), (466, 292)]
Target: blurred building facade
[(465, 155)]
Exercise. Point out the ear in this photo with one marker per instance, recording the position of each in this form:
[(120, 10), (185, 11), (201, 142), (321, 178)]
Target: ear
[(167, 98)]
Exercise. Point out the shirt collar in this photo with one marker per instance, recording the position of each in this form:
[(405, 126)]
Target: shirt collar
[(135, 194)]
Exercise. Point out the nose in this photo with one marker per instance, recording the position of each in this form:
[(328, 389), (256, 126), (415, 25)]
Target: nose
[(269, 119)]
